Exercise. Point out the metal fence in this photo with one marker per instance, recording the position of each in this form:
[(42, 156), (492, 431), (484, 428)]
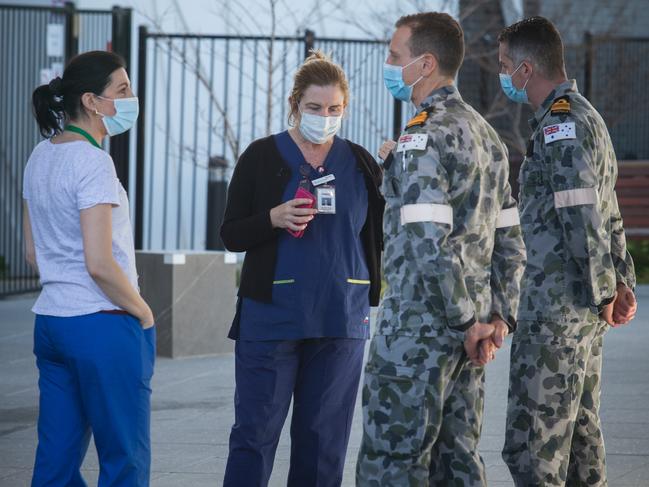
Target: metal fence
[(205, 98), (616, 70), (35, 43)]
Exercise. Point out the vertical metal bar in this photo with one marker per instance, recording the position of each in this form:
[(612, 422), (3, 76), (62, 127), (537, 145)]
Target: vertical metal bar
[(283, 93), (152, 146), (212, 95), (367, 62), (253, 118), (239, 98), (299, 55), (15, 161), (121, 44), (5, 32), (359, 81), (225, 96), (12, 147), (195, 158), (361, 99), (141, 128), (181, 142), (25, 86), (396, 119), (588, 64), (167, 141), (376, 98), (309, 42), (72, 32)]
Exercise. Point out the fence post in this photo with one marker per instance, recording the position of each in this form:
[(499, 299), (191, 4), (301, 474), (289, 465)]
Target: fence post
[(217, 188), (309, 42), (71, 31), (588, 63), (121, 44), (141, 127), (396, 119)]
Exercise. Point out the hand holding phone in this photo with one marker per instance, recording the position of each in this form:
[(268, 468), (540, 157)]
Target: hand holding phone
[(295, 214)]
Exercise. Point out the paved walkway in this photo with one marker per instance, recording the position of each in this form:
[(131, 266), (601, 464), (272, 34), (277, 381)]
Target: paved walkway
[(192, 411)]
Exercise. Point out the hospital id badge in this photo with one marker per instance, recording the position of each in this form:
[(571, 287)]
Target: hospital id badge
[(326, 199)]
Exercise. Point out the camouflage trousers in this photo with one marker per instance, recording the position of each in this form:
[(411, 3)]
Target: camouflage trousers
[(554, 435), (422, 414)]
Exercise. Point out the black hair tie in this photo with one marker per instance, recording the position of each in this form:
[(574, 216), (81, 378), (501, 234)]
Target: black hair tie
[(56, 86)]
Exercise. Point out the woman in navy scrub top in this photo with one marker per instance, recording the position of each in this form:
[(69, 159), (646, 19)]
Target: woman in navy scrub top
[(304, 302)]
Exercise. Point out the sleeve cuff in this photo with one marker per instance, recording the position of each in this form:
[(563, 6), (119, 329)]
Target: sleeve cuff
[(464, 326), (600, 306), (509, 320)]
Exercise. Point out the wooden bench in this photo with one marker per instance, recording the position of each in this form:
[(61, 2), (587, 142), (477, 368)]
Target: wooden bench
[(633, 197)]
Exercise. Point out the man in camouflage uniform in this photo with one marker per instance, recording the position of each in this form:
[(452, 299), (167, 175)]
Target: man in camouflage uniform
[(453, 259), (576, 258)]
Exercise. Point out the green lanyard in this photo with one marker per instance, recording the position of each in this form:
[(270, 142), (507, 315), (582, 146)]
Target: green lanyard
[(80, 131)]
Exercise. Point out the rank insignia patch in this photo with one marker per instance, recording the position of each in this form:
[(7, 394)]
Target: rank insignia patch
[(560, 106), (417, 120)]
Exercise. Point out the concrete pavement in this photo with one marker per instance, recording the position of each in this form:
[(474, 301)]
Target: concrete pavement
[(193, 412)]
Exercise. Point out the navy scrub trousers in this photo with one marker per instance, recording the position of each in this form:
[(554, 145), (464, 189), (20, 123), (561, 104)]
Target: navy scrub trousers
[(94, 377), (323, 375), (308, 343)]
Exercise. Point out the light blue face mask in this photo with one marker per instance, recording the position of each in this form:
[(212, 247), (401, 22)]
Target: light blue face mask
[(393, 79), (126, 112), (514, 94)]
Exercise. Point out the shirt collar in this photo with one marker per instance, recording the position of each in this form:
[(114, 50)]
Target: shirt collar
[(439, 95), (569, 86)]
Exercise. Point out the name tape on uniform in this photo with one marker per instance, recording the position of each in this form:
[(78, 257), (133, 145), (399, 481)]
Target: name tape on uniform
[(559, 131), (412, 142)]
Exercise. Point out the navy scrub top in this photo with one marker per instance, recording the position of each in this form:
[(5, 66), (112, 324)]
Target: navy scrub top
[(321, 284)]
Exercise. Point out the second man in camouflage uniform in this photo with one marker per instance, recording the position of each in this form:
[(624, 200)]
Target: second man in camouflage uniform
[(576, 260), (453, 259)]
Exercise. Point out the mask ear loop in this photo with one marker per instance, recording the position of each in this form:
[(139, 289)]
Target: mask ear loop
[(528, 80), (96, 111), (514, 72), (411, 62)]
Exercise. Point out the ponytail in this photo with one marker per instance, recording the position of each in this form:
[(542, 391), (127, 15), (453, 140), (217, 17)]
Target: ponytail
[(48, 107)]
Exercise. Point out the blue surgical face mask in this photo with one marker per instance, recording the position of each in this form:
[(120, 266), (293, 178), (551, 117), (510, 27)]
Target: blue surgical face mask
[(514, 94), (126, 112), (393, 79)]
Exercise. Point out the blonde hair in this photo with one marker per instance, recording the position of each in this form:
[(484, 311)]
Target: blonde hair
[(318, 69)]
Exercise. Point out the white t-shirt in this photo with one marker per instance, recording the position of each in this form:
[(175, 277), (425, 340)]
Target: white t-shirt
[(60, 181)]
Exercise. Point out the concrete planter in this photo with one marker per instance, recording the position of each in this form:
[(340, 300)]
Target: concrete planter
[(193, 297)]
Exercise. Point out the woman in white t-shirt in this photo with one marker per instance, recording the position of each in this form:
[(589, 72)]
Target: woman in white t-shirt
[(94, 338)]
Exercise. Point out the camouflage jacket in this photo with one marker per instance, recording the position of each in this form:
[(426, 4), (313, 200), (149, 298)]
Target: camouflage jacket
[(453, 250), (576, 249)]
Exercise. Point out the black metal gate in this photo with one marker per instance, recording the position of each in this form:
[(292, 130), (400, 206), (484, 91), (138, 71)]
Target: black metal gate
[(35, 43), (204, 98)]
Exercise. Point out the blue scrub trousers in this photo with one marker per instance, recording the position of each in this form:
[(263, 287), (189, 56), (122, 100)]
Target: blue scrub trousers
[(94, 377), (322, 376)]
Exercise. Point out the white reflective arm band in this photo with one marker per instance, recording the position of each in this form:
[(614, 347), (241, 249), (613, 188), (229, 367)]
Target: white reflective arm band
[(508, 218), (575, 197), (427, 212)]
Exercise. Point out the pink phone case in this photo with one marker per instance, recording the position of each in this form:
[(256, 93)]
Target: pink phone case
[(302, 193)]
